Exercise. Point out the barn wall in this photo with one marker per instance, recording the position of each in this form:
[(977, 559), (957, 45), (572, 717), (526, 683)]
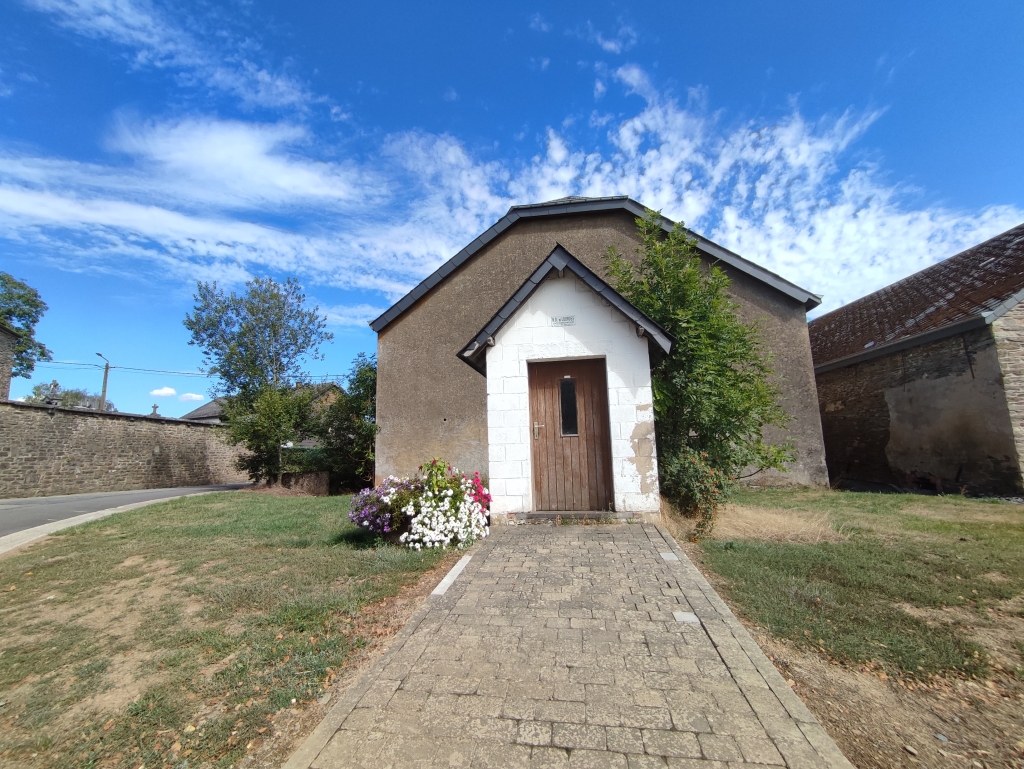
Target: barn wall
[(46, 451), (933, 416), (599, 331)]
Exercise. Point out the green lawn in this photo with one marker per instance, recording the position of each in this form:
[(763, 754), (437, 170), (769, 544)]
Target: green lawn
[(896, 591), (171, 633)]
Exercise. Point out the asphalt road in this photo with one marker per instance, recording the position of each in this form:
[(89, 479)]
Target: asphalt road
[(20, 514)]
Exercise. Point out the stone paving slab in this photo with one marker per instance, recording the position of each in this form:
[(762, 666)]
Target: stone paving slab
[(572, 646)]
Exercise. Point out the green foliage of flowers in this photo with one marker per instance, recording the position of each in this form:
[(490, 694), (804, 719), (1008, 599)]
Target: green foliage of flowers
[(715, 393)]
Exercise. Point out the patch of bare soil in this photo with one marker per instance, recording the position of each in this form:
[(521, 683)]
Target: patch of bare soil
[(879, 721), (378, 622)]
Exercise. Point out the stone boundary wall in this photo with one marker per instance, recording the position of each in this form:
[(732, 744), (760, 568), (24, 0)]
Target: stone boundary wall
[(46, 451), (932, 417)]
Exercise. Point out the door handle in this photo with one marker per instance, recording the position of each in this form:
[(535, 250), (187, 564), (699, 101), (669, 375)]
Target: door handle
[(536, 430)]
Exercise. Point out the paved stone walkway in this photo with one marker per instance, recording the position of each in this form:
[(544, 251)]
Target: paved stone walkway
[(573, 646)]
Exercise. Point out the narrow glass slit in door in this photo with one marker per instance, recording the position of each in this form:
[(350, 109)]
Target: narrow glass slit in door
[(570, 419)]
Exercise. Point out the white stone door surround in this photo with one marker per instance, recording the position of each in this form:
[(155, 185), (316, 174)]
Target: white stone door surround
[(563, 320)]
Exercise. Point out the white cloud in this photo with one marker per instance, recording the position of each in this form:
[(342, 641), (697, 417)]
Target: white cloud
[(189, 397), (356, 315), (195, 199), (623, 39), (538, 24), (158, 41), (163, 392), (599, 89), (450, 94)]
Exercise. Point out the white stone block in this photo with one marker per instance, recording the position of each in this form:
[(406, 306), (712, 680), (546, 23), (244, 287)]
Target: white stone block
[(496, 453), (517, 452), (505, 504), (518, 486), (507, 470), (627, 396), (515, 384), (639, 503), (496, 486), (625, 484), (622, 413), (497, 435)]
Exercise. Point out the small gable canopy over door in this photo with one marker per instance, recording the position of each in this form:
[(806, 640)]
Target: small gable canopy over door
[(571, 444), (570, 418)]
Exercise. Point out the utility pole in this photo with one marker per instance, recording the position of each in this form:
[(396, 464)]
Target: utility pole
[(102, 406)]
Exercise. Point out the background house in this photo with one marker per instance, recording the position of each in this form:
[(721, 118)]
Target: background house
[(921, 384), (211, 412), (430, 403)]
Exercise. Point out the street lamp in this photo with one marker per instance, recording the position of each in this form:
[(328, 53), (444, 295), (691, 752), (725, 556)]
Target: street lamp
[(103, 393)]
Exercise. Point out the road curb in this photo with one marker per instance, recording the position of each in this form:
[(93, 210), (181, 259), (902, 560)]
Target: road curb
[(19, 538)]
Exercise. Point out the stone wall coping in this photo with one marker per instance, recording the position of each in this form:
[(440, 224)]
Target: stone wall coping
[(110, 414)]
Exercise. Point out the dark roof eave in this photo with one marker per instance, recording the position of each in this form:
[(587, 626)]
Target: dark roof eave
[(623, 202), (980, 320)]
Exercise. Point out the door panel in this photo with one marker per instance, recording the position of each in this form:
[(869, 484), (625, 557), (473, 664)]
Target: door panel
[(571, 468)]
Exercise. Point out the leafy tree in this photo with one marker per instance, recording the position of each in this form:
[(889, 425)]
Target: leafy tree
[(346, 428), (21, 308), (715, 393), (256, 339), (67, 398), (264, 422)]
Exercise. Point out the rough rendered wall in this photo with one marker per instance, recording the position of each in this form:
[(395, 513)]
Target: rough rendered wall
[(600, 331), (933, 416), (430, 404), (1009, 335), (46, 451), (6, 364)]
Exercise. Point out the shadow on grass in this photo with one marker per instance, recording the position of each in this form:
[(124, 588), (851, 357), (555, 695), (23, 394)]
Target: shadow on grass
[(356, 538)]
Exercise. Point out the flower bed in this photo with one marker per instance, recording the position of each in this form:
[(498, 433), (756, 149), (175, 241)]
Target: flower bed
[(438, 508)]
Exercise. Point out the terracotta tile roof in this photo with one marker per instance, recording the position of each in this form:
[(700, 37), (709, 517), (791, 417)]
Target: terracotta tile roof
[(967, 285)]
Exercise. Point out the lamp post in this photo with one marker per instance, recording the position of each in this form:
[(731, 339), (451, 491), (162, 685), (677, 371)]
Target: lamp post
[(102, 406)]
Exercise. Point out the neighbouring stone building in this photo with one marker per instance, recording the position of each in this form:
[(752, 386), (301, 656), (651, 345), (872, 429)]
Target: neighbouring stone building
[(921, 384), (516, 359), (7, 339)]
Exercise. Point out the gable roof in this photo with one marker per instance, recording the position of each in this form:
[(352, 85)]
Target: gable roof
[(211, 410), (475, 352), (577, 205), (969, 290)]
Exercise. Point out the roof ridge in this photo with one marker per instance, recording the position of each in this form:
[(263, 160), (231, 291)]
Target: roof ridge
[(588, 205)]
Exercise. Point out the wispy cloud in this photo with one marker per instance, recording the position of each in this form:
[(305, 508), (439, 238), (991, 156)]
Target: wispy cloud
[(155, 38), (223, 199), (624, 38), (163, 392), (191, 397), (538, 24), (353, 315)]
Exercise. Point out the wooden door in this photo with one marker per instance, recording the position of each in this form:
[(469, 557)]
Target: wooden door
[(570, 439)]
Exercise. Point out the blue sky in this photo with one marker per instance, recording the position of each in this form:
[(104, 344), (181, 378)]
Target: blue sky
[(147, 145)]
